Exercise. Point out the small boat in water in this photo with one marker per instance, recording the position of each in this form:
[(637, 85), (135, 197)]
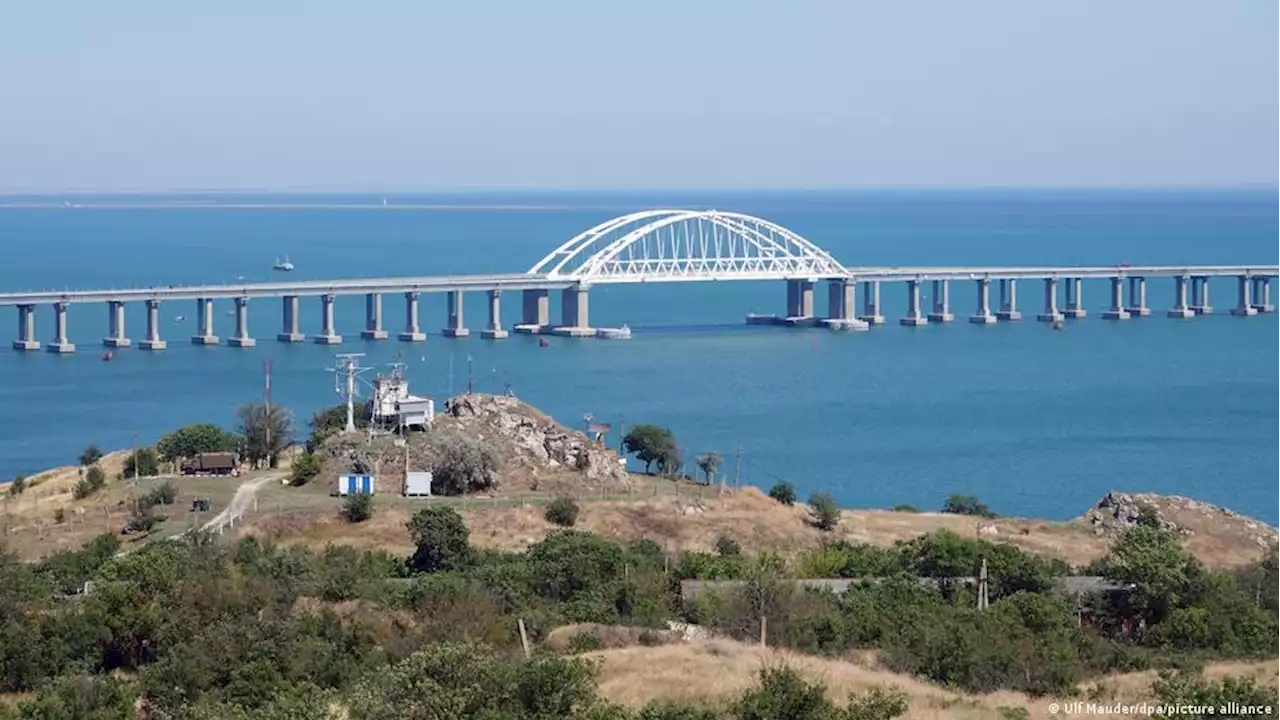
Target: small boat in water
[(621, 333), (283, 265), (106, 356), (543, 342), (1057, 324)]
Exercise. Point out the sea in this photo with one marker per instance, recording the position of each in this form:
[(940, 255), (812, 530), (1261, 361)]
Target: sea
[(1032, 421)]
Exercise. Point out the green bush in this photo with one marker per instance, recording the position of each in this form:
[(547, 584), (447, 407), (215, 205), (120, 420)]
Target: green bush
[(562, 511), (91, 455), (967, 505), (358, 507), (823, 512), (95, 477), (142, 463), (441, 538), (585, 642), (306, 467), (905, 508), (17, 485), (726, 547), (783, 492), (163, 494)]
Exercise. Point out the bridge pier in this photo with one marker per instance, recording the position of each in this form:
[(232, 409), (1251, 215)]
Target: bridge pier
[(115, 326), (241, 338), (535, 315), (941, 302), (327, 336), (871, 303), (453, 319), (1138, 297), (1117, 311), (1200, 296), (60, 342), (289, 331), (799, 302), (913, 318), (1009, 300), (1075, 299), (153, 341), (1180, 309), (412, 331), (1262, 295), (204, 323), (983, 314), (842, 306), (1244, 305), (573, 313), (1050, 313), (373, 318), (26, 329), (494, 331)]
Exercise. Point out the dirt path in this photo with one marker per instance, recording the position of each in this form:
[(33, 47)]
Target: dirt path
[(240, 503)]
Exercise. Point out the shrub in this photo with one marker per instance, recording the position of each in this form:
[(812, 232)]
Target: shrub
[(81, 490), (967, 505), (90, 455), (562, 511), (17, 485), (442, 540), (163, 494), (60, 515), (463, 464), (358, 507), (142, 463), (726, 546), (823, 512), (306, 467), (143, 520), (905, 508), (96, 478), (585, 642), (783, 492)]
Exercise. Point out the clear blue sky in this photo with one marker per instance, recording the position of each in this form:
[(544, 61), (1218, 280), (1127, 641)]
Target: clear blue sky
[(426, 94)]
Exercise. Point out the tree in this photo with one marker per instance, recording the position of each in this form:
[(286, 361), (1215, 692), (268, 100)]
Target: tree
[(463, 464), (783, 492), (709, 464), (823, 512), (306, 467), (650, 444), (141, 463), (333, 420), (967, 505), (562, 511), (194, 439), (1154, 561), (266, 431), (442, 540), (358, 507), (17, 484), (93, 480), (90, 455)]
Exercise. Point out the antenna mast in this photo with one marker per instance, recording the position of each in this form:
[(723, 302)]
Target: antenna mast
[(346, 368)]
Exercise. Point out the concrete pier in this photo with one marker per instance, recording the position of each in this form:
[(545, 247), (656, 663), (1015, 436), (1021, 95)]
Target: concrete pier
[(1180, 309), (373, 318), (1074, 290), (941, 302), (60, 342), (1138, 297), (26, 329), (115, 326), (799, 302), (913, 318), (1009, 300), (1051, 313), (153, 341), (1116, 311), (242, 338), (535, 312), (454, 326), (1244, 303), (494, 331), (327, 336), (983, 316), (871, 314), (204, 323), (1200, 296), (1262, 295), (289, 331), (412, 330), (842, 306), (574, 320)]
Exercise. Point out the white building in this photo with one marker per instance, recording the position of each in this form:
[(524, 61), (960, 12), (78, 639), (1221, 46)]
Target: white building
[(392, 403)]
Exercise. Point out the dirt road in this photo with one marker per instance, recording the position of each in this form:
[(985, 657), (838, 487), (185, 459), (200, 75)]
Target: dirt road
[(241, 503)]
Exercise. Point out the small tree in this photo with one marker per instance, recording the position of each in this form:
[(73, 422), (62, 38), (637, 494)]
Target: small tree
[(358, 507), (163, 494), (823, 511), (142, 463), (726, 546), (17, 484), (95, 478), (650, 444), (194, 439), (783, 492), (709, 464), (143, 520), (306, 467), (442, 540), (562, 511), (463, 464), (265, 432), (90, 455), (967, 505)]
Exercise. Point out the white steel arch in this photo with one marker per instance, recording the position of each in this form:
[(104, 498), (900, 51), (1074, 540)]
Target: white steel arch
[(670, 245)]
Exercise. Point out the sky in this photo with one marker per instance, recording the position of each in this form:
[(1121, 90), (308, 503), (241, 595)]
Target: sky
[(323, 95)]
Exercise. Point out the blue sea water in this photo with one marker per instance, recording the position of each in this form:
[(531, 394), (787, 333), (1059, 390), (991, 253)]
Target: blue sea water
[(1034, 422)]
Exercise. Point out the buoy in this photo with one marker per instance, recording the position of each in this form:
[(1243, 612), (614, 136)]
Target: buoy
[(543, 342), (106, 356)]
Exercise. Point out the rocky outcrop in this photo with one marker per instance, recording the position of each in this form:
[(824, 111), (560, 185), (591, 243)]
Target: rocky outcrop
[(1189, 518), (1117, 512)]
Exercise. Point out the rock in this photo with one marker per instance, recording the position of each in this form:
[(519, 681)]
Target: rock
[(1117, 512), (988, 530)]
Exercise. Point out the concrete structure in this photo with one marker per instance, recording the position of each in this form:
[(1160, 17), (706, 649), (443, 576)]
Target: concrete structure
[(913, 318), (1138, 297), (1008, 300), (373, 318), (1117, 311), (574, 316), (328, 335), (26, 329), (1200, 296), (204, 323), (535, 316), (1244, 299), (982, 315), (799, 302), (115, 326), (1050, 313), (842, 306), (941, 302), (242, 338), (412, 330), (60, 343), (1180, 308), (871, 314), (289, 330), (454, 326), (1075, 299), (494, 330), (153, 341), (1262, 295)]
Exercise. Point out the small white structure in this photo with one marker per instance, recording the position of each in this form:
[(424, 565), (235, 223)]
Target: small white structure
[(415, 411), (392, 403), (355, 484), (417, 484)]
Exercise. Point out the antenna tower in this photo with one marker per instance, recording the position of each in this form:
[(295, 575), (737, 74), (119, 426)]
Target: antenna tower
[(345, 370)]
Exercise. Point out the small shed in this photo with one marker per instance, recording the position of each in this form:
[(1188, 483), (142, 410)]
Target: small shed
[(417, 484), (355, 484)]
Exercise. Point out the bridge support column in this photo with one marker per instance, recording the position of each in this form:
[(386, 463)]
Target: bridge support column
[(115, 326), (1138, 297), (453, 322), (327, 336), (494, 331), (289, 331), (241, 338), (1262, 295), (1075, 299), (871, 303), (412, 331), (535, 315), (1180, 309), (1244, 305), (941, 302), (1117, 311), (574, 320), (983, 316), (1050, 313), (913, 318), (153, 341), (1009, 300), (204, 323), (842, 306), (799, 302), (60, 342), (373, 318), (1200, 296), (26, 329)]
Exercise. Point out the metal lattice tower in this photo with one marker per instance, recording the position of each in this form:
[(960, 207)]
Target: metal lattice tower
[(345, 370)]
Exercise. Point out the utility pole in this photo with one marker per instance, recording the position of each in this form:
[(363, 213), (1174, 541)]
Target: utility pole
[(348, 364), (469, 376), (737, 469), (266, 398)]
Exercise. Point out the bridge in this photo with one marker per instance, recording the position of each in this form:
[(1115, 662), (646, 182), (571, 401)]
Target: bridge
[(656, 246)]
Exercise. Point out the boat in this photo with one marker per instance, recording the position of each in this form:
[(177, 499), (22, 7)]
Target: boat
[(283, 265), (106, 356), (1057, 324), (621, 333), (180, 318), (543, 342)]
